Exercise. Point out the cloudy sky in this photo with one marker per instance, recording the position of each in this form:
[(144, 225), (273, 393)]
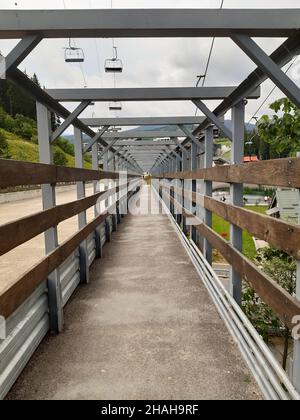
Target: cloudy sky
[(147, 62)]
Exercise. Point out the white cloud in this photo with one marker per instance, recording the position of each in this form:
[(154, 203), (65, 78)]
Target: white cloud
[(147, 62)]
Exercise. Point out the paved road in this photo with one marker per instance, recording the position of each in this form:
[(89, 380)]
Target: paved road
[(16, 262), (144, 328)]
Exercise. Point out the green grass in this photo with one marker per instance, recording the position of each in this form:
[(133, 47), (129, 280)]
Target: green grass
[(221, 226), (25, 150)]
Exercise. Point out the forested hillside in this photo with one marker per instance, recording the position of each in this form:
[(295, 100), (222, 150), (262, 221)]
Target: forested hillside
[(18, 129)]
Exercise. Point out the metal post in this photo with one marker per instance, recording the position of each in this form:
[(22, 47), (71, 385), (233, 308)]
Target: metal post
[(96, 184), (178, 197), (106, 187), (296, 355), (51, 237), (194, 165), (236, 191), (112, 167), (208, 162), (82, 220)]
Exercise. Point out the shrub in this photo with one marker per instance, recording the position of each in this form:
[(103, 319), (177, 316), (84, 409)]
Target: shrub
[(59, 158), (4, 152)]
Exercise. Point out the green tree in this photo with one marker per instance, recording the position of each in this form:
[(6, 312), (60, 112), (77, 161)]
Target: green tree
[(4, 152), (282, 130), (59, 158)]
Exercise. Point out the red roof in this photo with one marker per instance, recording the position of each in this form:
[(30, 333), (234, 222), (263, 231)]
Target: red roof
[(250, 159)]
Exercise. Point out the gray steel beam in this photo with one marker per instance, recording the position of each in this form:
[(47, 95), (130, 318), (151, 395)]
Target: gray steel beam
[(153, 23), (62, 128), (145, 94), (21, 50), (264, 62), (208, 163), (82, 217), (56, 317), (191, 137), (281, 56), (145, 143), (236, 191), (122, 122), (213, 118), (96, 138), (181, 147), (140, 134), (107, 148), (96, 187)]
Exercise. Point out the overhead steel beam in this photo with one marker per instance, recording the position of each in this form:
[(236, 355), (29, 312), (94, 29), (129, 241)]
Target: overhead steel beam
[(134, 23), (139, 134), (146, 143), (21, 50), (191, 137), (260, 58), (181, 147), (145, 94), (213, 118), (97, 137), (62, 128), (106, 149), (281, 56), (123, 122)]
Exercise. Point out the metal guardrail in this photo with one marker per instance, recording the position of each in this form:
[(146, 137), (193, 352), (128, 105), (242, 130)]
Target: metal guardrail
[(271, 378)]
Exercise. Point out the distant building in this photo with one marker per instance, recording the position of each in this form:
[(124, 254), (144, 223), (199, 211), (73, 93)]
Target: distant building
[(248, 159), (285, 205)]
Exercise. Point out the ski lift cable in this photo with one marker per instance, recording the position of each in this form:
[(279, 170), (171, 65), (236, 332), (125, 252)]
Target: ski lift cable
[(80, 55), (209, 58), (271, 92)]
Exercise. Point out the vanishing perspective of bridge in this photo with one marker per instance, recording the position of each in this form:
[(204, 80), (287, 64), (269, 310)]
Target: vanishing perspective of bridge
[(129, 307)]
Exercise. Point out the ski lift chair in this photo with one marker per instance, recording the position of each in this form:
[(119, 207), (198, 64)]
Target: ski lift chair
[(113, 65), (74, 54)]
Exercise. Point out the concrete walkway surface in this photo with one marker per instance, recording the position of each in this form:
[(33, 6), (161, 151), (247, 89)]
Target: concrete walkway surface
[(144, 328)]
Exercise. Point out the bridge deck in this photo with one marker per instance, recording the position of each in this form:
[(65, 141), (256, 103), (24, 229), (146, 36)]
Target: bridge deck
[(144, 328)]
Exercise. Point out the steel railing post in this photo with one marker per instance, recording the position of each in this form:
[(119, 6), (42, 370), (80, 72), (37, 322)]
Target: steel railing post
[(236, 191), (208, 163), (51, 236), (82, 219)]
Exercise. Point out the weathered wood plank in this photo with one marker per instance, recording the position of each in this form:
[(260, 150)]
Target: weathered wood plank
[(15, 233), (14, 295), (276, 232), (278, 172), (280, 301), (14, 173)]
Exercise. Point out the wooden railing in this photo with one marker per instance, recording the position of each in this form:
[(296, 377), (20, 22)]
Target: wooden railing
[(281, 235), (15, 233)]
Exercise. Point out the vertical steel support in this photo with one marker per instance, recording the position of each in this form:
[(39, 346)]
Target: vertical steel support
[(51, 236), (185, 186), (107, 201), (114, 196), (208, 163), (82, 220), (194, 166), (296, 355), (96, 185), (236, 191)]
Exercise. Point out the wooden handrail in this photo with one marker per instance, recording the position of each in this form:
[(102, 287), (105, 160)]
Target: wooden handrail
[(280, 234), (278, 172), (14, 173), (279, 300)]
